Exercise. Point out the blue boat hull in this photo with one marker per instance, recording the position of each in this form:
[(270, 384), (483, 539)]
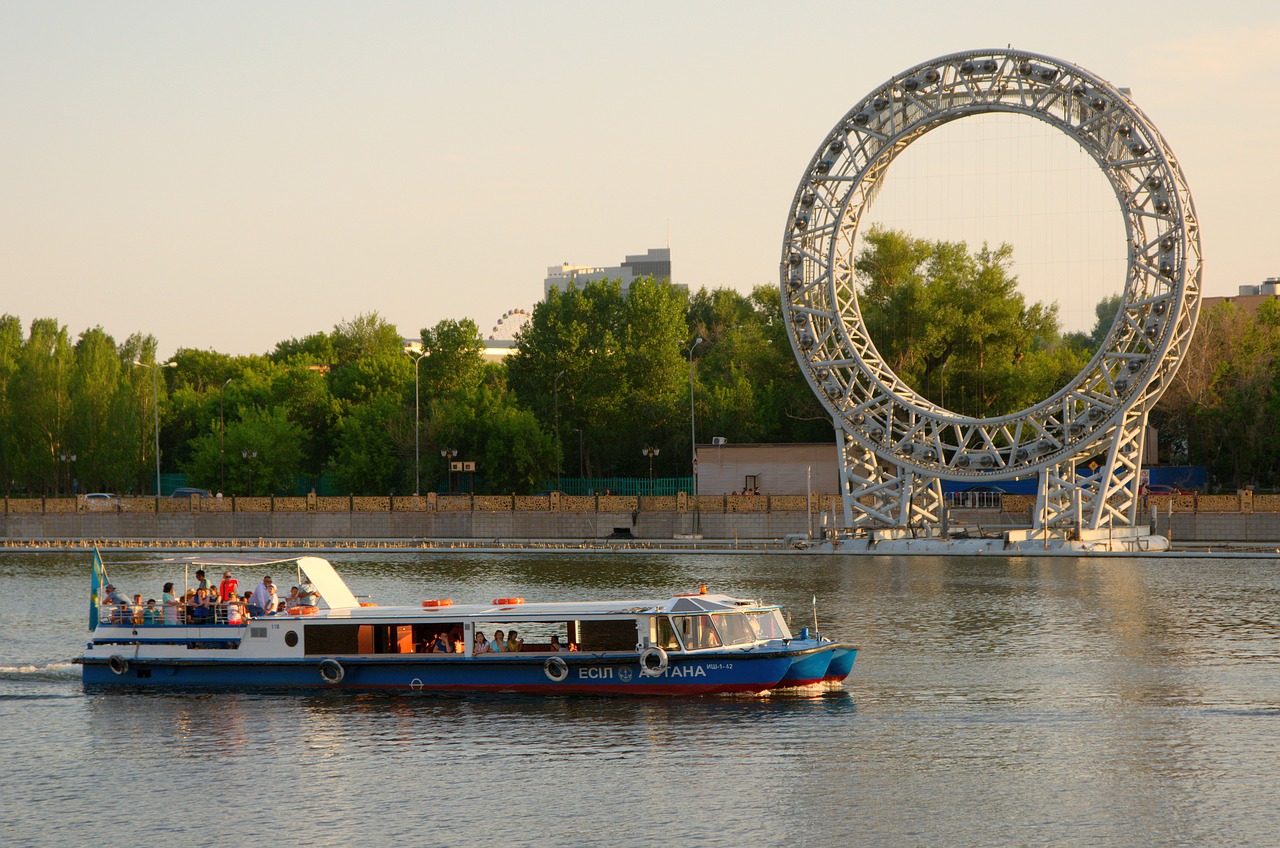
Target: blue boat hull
[(830, 662), (581, 674)]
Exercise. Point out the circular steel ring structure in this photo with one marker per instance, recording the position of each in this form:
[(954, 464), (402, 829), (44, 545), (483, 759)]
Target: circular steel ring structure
[(1146, 342)]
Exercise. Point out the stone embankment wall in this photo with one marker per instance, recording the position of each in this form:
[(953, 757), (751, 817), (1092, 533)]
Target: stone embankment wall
[(425, 517), (1183, 518)]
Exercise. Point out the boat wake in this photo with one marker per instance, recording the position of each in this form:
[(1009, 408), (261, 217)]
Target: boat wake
[(40, 671)]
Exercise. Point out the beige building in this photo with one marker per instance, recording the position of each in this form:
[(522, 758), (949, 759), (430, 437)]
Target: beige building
[(775, 469)]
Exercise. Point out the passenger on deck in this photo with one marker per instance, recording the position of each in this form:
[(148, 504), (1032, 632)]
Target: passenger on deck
[(263, 599), (307, 593), (202, 582), (171, 605), (496, 645), (189, 605), (201, 612), (136, 609), (228, 588), (513, 644), (151, 613), (114, 596), (292, 601), (481, 645), (235, 611)]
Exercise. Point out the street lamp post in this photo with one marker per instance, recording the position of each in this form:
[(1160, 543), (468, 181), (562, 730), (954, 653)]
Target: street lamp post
[(650, 452), (249, 457), (449, 454), (417, 418), (68, 457), (222, 439), (559, 452), (581, 464), (155, 405), (693, 424)]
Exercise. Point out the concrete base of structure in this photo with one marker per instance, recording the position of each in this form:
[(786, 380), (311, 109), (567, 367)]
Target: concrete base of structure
[(900, 541)]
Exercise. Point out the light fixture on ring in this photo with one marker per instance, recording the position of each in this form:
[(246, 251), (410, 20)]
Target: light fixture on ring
[(895, 445)]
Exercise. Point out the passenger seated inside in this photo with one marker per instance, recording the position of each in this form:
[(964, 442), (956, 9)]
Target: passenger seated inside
[(556, 646), (496, 646), (481, 645), (513, 644), (441, 645)]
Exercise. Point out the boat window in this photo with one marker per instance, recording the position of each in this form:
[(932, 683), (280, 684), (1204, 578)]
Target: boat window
[(768, 625), (667, 635), (609, 635), (733, 628), (696, 631)]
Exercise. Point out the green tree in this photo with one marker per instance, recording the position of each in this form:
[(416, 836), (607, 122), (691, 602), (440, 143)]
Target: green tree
[(43, 383), (455, 356), (1220, 409), (10, 446), (512, 451), (373, 442), (367, 335), (263, 453), (953, 325), (613, 367), (103, 460)]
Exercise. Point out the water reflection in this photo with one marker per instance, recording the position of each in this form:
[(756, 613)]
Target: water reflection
[(1021, 701)]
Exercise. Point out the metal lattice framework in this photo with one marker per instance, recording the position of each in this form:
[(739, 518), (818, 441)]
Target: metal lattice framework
[(896, 445)]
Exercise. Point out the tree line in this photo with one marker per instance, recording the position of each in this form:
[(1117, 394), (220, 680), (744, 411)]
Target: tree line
[(596, 381)]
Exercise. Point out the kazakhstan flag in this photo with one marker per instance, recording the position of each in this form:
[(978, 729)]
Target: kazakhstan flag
[(95, 588)]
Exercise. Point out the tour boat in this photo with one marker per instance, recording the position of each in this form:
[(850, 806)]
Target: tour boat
[(696, 643)]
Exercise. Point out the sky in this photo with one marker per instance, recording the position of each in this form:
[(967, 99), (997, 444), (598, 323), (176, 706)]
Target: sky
[(229, 175)]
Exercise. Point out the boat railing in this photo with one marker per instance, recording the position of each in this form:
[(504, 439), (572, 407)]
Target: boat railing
[(183, 615)]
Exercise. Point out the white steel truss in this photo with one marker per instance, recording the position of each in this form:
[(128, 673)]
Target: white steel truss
[(896, 445)]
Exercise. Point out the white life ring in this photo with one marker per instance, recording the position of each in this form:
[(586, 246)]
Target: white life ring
[(331, 671), (118, 664), (556, 669), (653, 661)]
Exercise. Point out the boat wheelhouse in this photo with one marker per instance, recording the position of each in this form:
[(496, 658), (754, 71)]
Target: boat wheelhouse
[(697, 643)]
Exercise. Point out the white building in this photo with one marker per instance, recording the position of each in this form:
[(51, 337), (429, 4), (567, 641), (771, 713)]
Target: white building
[(774, 469), (656, 263)]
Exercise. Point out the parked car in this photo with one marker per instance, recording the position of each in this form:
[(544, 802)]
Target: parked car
[(102, 502), (186, 492), (1161, 489)]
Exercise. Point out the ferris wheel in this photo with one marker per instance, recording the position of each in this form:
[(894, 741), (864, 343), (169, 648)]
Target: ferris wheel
[(895, 446)]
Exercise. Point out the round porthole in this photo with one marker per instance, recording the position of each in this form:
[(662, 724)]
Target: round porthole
[(291, 639)]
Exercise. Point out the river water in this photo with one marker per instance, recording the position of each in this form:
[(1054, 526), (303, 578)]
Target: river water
[(995, 702)]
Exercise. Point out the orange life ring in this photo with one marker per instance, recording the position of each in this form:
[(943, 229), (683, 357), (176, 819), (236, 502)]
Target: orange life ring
[(367, 604), (441, 602), (303, 610), (507, 602)]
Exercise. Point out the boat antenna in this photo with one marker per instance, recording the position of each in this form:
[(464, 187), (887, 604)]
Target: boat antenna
[(815, 615)]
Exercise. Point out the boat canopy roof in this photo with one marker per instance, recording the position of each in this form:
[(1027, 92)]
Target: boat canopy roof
[(331, 587)]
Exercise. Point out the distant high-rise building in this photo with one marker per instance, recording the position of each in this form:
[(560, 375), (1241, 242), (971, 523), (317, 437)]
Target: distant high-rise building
[(656, 263)]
